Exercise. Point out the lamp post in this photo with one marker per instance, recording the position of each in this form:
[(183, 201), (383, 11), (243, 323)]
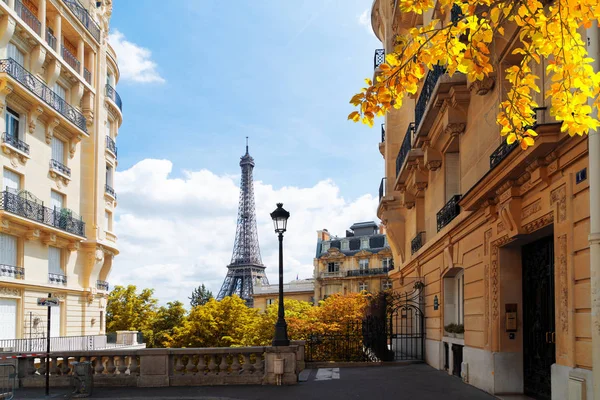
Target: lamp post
[(280, 217)]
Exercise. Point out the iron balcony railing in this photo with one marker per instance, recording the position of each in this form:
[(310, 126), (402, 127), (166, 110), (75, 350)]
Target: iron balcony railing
[(60, 167), (47, 95), (70, 59), (26, 205), (12, 272), (102, 285), (28, 17), (84, 17), (50, 39), (455, 14), (382, 133), (448, 212), (111, 145), (57, 278), (112, 94), (64, 343), (87, 75), (382, 188), (368, 271), (405, 147), (378, 58), (428, 86), (15, 142), (501, 152), (417, 242), (108, 189)]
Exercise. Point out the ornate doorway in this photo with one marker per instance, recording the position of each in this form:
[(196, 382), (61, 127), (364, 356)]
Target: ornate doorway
[(538, 317)]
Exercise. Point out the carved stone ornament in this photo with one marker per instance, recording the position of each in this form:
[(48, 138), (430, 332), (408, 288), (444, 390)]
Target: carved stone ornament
[(531, 209), (558, 196), (53, 123), (483, 87), (99, 255), (434, 165), (454, 129), (539, 223), (34, 114), (9, 292), (564, 284), (32, 234), (60, 296)]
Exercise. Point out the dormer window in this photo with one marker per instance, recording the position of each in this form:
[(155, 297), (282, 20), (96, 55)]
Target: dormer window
[(325, 247), (364, 243), (345, 245)]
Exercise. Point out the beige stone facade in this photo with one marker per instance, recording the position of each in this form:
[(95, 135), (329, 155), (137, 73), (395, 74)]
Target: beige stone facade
[(496, 234), (352, 264), (60, 114), (301, 290)]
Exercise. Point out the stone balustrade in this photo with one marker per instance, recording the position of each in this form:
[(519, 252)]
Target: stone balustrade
[(169, 367)]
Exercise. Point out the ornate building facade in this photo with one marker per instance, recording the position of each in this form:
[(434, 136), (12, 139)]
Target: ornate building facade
[(60, 116), (357, 262), (498, 236)]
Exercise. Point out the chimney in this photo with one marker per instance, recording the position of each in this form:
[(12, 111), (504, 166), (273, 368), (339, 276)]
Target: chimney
[(323, 235), (382, 229)]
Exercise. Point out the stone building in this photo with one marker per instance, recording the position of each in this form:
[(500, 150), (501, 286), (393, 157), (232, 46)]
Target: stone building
[(60, 115), (301, 290), (499, 236), (359, 261)]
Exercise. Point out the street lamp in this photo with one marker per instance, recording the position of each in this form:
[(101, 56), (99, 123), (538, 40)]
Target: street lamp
[(280, 217)]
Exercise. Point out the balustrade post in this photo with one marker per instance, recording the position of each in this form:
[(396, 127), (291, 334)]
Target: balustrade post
[(154, 367)]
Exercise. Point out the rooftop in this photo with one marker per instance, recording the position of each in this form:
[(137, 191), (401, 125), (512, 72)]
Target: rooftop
[(301, 285)]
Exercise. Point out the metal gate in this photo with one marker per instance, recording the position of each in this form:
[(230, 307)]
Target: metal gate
[(8, 381), (406, 325)]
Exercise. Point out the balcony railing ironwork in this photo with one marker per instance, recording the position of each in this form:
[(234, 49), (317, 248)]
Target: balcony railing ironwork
[(24, 204), (84, 17), (428, 86), (448, 212), (382, 133), (15, 142), (112, 93), (417, 242), (501, 152), (455, 14), (108, 189), (111, 145), (70, 59), (368, 271), (378, 58), (405, 147), (382, 188), (12, 272), (60, 167), (47, 95), (28, 17), (50, 39), (102, 285), (87, 75), (57, 278)]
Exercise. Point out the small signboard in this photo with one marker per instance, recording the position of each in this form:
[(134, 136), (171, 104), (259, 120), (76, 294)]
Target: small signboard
[(47, 302)]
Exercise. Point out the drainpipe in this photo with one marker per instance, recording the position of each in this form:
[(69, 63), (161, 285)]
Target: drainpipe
[(594, 239)]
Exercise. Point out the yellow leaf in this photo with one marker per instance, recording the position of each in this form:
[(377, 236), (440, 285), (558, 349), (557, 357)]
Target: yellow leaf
[(528, 141), (354, 116), (511, 138)]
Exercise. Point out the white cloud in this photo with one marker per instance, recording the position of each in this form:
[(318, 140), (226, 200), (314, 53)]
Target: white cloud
[(365, 18), (176, 233), (135, 62)]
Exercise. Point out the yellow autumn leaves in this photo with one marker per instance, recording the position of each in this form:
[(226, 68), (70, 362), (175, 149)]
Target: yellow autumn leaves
[(550, 32)]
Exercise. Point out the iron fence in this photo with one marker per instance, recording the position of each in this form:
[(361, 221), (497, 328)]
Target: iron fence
[(57, 279), (47, 95), (102, 285), (8, 381), (111, 145), (368, 271), (428, 86), (70, 58), (50, 39), (84, 17), (448, 212), (417, 242), (378, 58), (12, 272), (405, 147), (59, 343), (501, 152), (382, 133), (60, 167), (28, 17), (87, 75), (114, 96), (109, 190), (382, 188), (15, 142)]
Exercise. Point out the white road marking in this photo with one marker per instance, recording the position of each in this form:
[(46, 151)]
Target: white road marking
[(327, 374)]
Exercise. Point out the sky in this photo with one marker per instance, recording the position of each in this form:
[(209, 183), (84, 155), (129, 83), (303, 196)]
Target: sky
[(197, 77)]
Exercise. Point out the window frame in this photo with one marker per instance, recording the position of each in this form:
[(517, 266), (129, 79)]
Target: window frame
[(363, 264), (363, 286)]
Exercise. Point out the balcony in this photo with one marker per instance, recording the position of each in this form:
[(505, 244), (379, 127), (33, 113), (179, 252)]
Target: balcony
[(15, 143), (60, 168), (102, 285), (87, 75), (405, 147), (110, 191), (378, 58), (112, 94), (84, 17), (368, 272), (50, 39), (57, 279), (428, 86), (382, 188), (11, 271), (333, 274), (111, 145), (26, 205), (417, 242), (448, 212), (501, 152), (28, 17), (43, 92), (70, 59)]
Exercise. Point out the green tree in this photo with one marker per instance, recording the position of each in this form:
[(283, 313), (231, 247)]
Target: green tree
[(128, 310), (167, 319), (200, 296)]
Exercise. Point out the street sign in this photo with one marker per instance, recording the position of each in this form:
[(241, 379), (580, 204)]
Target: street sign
[(47, 302)]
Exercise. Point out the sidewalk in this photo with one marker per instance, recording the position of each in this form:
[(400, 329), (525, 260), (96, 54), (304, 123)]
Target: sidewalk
[(419, 382)]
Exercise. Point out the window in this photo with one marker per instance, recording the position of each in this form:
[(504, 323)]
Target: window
[(364, 243), (60, 91), (108, 221), (8, 250), (109, 128), (454, 297), (325, 247), (109, 175), (11, 180), (270, 301), (363, 264), (452, 171), (345, 245), (16, 54), (386, 262), (55, 261), (55, 322), (386, 285), (333, 267), (363, 286), (57, 200), (58, 150), (13, 128)]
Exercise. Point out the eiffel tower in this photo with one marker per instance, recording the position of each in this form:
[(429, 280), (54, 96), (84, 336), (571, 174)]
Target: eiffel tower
[(246, 267)]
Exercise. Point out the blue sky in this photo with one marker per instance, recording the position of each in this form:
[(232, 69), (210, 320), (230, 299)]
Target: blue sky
[(197, 76)]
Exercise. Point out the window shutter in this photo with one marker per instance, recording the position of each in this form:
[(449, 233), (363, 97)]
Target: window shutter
[(8, 250), (57, 200), (58, 150), (16, 54), (12, 180), (54, 261), (55, 321), (452, 169)]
